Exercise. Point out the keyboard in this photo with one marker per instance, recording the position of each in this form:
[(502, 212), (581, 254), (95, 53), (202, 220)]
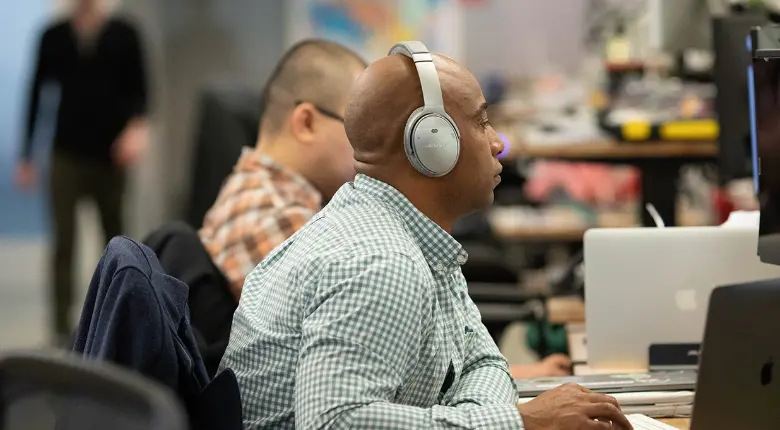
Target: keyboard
[(643, 422)]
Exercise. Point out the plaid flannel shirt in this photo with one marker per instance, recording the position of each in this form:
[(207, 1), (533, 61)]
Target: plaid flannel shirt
[(260, 205), (362, 320)]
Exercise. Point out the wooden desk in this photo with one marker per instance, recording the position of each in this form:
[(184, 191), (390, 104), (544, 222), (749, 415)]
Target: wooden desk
[(541, 234), (680, 423), (565, 310), (612, 151)]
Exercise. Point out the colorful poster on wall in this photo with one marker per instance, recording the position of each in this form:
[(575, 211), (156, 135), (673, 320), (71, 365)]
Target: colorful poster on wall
[(371, 27)]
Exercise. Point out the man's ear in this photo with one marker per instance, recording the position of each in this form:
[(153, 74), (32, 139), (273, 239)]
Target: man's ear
[(302, 122)]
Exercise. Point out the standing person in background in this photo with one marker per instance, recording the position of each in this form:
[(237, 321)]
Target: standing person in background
[(97, 61)]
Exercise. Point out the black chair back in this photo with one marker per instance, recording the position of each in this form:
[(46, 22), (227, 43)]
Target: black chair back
[(228, 121), (57, 391)]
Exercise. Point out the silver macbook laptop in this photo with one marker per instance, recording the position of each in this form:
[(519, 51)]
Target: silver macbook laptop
[(614, 383), (738, 386), (646, 286)]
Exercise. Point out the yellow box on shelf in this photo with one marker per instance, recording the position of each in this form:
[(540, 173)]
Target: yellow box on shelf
[(639, 131), (634, 131), (690, 130)]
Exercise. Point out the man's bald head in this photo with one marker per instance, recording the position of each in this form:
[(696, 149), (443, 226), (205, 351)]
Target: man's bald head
[(315, 71), (380, 103), (388, 92)]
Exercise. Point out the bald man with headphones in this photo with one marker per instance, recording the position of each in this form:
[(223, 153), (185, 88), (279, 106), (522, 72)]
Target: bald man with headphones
[(362, 319)]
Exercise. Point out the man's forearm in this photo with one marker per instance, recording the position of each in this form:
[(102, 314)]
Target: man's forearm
[(32, 114), (382, 415), (486, 383), (485, 399), (485, 379)]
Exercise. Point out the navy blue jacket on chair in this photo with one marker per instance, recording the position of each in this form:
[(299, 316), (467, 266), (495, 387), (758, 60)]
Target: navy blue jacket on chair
[(136, 316), (183, 256)]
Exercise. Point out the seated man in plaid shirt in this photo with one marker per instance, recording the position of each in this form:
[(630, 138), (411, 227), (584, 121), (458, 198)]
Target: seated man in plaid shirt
[(302, 157), (362, 318)]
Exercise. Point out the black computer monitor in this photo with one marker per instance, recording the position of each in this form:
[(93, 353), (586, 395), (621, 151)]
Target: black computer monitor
[(731, 70), (765, 44)]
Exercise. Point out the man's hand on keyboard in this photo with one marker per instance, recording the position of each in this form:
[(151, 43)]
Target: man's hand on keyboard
[(572, 407)]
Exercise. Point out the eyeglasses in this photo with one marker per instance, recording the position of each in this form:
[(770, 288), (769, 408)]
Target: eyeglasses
[(324, 112)]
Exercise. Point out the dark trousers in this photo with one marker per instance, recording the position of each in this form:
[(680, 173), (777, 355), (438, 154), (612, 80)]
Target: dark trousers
[(73, 179)]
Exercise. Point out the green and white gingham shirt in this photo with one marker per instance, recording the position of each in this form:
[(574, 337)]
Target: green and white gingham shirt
[(362, 320)]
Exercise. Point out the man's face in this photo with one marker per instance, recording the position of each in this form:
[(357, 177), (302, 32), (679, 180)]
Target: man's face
[(335, 154), (477, 172), (336, 160)]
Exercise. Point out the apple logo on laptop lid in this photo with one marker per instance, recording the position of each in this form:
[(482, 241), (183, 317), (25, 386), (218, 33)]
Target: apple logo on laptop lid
[(766, 372), (686, 300)]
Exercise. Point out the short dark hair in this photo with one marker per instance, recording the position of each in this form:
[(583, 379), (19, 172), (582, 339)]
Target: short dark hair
[(312, 70)]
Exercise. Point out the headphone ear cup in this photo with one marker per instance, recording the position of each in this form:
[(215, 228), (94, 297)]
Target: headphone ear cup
[(409, 142), (434, 142)]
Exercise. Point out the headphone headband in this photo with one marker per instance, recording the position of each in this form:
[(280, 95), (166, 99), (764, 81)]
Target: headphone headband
[(431, 138), (429, 78)]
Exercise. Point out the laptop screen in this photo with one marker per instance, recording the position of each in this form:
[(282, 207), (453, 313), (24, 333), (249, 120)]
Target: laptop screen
[(765, 119)]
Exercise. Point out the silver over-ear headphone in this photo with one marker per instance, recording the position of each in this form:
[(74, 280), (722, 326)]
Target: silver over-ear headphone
[(431, 138)]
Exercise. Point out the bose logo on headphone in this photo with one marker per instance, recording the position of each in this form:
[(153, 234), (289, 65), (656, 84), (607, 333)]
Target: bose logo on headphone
[(435, 144), (431, 138)]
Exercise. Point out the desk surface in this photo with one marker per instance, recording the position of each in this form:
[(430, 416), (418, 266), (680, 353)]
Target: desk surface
[(565, 310), (540, 234), (680, 423), (609, 150), (575, 234)]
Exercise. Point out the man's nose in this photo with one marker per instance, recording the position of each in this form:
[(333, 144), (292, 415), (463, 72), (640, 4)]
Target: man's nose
[(497, 144)]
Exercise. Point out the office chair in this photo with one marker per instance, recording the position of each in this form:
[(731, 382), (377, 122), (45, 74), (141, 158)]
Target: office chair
[(571, 280), (48, 391), (492, 282), (228, 120)]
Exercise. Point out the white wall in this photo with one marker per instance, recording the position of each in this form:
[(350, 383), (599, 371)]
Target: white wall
[(19, 32), (22, 214), (524, 37), (146, 207)]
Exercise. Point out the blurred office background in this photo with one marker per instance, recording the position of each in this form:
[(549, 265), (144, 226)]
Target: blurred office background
[(209, 59)]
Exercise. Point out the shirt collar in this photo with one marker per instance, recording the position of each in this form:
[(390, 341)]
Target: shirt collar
[(442, 252), (252, 161)]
